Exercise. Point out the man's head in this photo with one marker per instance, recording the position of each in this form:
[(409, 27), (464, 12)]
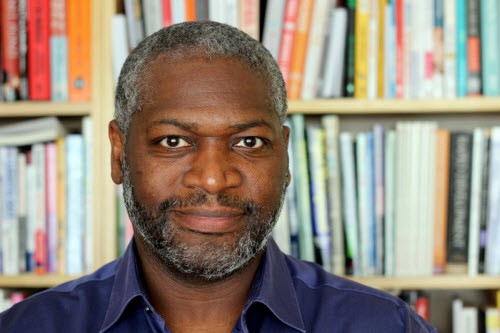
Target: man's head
[(200, 147)]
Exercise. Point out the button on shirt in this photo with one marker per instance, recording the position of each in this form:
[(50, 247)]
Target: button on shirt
[(287, 295)]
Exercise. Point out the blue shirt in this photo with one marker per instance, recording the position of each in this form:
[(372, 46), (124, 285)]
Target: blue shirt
[(287, 295)]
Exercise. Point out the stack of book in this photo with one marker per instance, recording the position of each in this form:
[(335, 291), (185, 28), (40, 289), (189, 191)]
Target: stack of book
[(406, 201), (45, 177), (45, 50)]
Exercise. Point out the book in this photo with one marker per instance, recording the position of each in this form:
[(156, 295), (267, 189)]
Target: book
[(281, 231), (490, 47), (299, 51), (79, 50), (135, 26), (373, 49), (450, 49), (288, 38), (483, 221), (379, 194), (40, 227), (461, 48), (350, 205), (334, 55), (61, 205), (315, 49), (178, 10), (473, 48), (39, 50), (201, 10), (22, 210), (88, 189), (382, 25), (349, 76), (31, 131), (388, 75), (302, 192), (291, 201), (153, 14), (166, 13), (58, 51), (399, 15), (190, 10), (438, 65), (331, 126), (361, 64), (459, 200), (10, 49), (389, 202), (492, 256), (51, 222), (31, 215), (23, 50), (273, 25), (442, 174), (319, 202), (119, 44), (249, 12)]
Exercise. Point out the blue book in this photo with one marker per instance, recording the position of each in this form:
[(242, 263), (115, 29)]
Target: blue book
[(490, 47), (461, 48)]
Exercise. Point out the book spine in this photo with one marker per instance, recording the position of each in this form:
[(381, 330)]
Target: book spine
[(390, 199), (22, 210), (287, 38), (389, 56), (302, 188), (38, 49), (361, 49), (10, 234), (473, 48), (61, 205), (293, 215), (281, 231), (40, 254), (315, 46), (58, 51), (51, 206), (135, 30), (10, 49), (23, 50), (490, 46), (349, 79), (461, 26), (373, 50), (331, 126), (428, 49), (379, 194), (450, 49), (273, 26), (201, 10), (75, 204), (300, 48), (119, 44), (79, 50), (492, 256), (399, 19), (178, 9), (87, 133), (459, 199), (438, 49), (190, 10), (249, 17), (153, 14), (166, 13), (442, 174), (484, 205), (232, 13), (31, 196)]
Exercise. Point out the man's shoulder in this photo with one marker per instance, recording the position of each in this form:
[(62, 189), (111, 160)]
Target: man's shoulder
[(61, 307), (322, 295)]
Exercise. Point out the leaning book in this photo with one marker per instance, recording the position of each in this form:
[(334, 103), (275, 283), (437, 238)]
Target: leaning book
[(31, 131)]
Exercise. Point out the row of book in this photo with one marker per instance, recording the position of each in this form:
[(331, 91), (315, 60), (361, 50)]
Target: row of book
[(45, 50), (45, 208), (385, 48), (140, 18), (405, 201), (472, 319)]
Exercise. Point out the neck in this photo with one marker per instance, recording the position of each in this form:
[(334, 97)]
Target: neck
[(189, 305)]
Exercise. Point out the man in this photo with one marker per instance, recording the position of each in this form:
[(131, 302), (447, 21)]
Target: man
[(200, 147)]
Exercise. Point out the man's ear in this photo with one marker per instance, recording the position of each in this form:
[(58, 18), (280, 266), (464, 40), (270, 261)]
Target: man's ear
[(117, 139)]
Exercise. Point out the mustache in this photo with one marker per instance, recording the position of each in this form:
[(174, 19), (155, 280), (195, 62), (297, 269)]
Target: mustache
[(248, 207)]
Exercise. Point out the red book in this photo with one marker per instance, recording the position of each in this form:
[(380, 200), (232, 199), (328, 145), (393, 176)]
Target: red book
[(167, 13), (399, 12), (10, 48), (422, 307), (287, 37), (39, 49)]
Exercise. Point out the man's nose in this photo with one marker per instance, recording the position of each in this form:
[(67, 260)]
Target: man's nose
[(212, 169)]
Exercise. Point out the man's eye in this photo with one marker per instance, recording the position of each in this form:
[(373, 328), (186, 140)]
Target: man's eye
[(174, 142), (250, 142)]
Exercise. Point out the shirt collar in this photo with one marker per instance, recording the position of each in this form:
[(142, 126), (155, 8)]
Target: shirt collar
[(274, 288), (126, 287)]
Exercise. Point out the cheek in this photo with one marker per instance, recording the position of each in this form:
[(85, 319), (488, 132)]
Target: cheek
[(264, 181)]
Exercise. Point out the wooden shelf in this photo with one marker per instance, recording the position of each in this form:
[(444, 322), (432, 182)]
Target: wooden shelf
[(33, 281), (350, 106), (35, 109), (442, 282)]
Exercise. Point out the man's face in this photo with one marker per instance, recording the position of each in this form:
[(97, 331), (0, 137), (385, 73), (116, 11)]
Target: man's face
[(205, 167)]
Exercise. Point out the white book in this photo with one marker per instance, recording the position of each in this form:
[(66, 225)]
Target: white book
[(51, 206), (153, 16), (389, 53), (331, 85), (417, 17), (9, 222), (315, 44), (476, 188), (470, 319), (331, 126), (232, 13), (273, 24), (31, 131), (217, 11), (317, 167), (118, 44), (390, 198), (178, 10), (373, 44), (134, 23), (88, 135), (450, 49), (457, 317), (281, 231), (38, 151), (492, 258), (350, 205)]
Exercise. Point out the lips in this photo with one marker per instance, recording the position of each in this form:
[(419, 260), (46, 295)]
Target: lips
[(208, 220)]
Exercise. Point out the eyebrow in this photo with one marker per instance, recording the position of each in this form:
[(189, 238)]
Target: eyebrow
[(192, 126)]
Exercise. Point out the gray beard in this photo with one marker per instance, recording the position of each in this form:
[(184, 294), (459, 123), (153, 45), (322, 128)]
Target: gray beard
[(207, 261)]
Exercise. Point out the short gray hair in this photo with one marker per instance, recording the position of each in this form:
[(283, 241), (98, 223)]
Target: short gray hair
[(210, 40)]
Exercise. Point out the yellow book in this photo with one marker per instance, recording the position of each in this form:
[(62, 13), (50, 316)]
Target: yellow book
[(61, 204), (361, 49), (300, 49)]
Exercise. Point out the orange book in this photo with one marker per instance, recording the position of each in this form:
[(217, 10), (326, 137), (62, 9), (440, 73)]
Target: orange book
[(442, 175), (190, 10), (300, 49), (79, 50)]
